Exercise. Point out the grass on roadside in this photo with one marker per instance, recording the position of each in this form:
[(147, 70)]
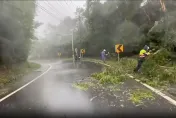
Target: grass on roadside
[(16, 72)]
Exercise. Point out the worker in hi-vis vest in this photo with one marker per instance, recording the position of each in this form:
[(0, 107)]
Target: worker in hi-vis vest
[(142, 55)]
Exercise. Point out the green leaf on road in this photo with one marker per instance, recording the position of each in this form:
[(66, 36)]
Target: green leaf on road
[(138, 96), (83, 86)]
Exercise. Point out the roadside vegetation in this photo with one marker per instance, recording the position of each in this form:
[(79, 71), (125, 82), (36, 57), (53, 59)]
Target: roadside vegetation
[(112, 79), (17, 27), (158, 71), (16, 72)]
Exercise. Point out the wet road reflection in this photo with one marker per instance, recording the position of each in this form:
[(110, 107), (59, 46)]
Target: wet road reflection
[(53, 92)]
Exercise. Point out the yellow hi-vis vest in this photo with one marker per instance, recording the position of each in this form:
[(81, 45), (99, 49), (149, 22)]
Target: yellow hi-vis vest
[(143, 53)]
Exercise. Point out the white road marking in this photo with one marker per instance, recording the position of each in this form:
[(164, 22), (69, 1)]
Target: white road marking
[(169, 99), (172, 101), (25, 85)]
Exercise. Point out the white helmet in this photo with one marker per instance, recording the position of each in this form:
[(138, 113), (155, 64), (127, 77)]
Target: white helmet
[(104, 50)]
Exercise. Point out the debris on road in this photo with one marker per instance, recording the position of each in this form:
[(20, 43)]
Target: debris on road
[(138, 96)]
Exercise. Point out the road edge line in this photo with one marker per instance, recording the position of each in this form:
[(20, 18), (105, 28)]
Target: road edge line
[(169, 99), (10, 94)]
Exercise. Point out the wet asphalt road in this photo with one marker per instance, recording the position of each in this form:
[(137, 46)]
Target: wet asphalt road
[(53, 94)]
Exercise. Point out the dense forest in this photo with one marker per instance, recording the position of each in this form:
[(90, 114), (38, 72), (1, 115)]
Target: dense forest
[(98, 26), (102, 25), (16, 30)]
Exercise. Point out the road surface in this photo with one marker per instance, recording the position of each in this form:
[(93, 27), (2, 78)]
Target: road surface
[(52, 94)]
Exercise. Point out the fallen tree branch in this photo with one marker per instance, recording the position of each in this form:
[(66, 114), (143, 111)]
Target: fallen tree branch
[(166, 67), (157, 51)]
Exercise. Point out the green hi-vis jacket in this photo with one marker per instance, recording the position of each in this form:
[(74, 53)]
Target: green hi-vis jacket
[(143, 53)]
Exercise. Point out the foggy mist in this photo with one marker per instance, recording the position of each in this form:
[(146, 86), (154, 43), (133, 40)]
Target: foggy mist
[(88, 57)]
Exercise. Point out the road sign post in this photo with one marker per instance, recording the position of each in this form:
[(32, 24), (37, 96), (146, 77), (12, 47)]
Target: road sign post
[(118, 56), (118, 49), (73, 49), (59, 54), (72, 34), (82, 52)]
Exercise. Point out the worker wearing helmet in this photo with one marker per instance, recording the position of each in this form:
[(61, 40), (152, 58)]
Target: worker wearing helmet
[(142, 55), (103, 55)]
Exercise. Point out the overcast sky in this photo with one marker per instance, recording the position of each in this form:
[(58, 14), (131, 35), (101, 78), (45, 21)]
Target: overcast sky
[(51, 11)]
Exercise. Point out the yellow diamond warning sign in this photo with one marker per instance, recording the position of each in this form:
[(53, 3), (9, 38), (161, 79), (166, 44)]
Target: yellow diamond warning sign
[(119, 48)]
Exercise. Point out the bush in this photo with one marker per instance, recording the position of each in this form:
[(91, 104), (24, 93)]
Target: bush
[(115, 74), (155, 71), (162, 57), (16, 71), (153, 62), (150, 68)]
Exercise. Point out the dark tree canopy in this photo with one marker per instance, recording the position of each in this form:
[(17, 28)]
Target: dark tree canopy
[(16, 30), (132, 23)]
